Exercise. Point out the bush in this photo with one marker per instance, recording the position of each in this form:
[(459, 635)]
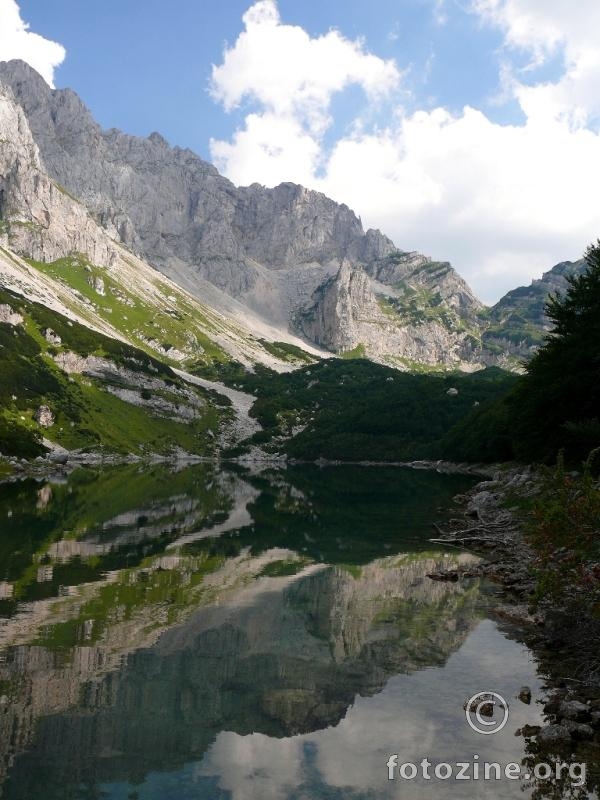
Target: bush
[(564, 530)]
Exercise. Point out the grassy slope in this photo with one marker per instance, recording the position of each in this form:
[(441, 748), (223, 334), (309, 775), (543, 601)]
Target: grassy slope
[(157, 316), (87, 416), (133, 316)]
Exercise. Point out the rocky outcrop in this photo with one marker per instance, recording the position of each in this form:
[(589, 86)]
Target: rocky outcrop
[(346, 315), (42, 221), (333, 319), (515, 327), (44, 416), (8, 316)]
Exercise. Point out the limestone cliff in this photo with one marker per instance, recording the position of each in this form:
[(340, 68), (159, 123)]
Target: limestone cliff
[(52, 250), (276, 250), (287, 257), (393, 324)]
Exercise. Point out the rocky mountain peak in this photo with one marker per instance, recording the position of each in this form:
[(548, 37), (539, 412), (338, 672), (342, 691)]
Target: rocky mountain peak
[(291, 255), (16, 142)]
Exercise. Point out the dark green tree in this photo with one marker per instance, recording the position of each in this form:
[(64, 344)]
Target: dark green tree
[(557, 404)]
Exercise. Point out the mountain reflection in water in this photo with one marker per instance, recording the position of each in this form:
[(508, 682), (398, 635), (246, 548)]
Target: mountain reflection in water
[(228, 634)]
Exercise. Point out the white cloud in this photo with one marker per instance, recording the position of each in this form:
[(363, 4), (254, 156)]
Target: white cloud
[(270, 146), (17, 41), (543, 28), (440, 15), (291, 74), (502, 202)]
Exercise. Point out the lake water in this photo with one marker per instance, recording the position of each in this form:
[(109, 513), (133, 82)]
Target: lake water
[(203, 634)]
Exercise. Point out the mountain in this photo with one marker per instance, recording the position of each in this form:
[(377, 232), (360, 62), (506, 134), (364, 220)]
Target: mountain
[(517, 324), (278, 252), (56, 250), (148, 243), (90, 333)]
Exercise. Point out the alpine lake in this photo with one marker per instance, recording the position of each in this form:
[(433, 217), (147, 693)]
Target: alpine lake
[(265, 634)]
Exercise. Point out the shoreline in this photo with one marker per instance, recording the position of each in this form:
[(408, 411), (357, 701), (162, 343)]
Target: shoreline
[(58, 463), (492, 528)]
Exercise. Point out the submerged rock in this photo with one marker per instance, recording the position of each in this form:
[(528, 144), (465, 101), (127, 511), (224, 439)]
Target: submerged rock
[(528, 730), (574, 710), (579, 730), (525, 695)]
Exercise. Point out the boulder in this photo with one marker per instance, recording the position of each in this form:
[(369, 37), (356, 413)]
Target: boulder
[(553, 736), (51, 337), (530, 730), (578, 730), (525, 695), (8, 316), (574, 710), (45, 417), (480, 503)]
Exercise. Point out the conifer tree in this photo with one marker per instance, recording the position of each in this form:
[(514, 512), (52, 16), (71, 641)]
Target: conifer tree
[(557, 404)]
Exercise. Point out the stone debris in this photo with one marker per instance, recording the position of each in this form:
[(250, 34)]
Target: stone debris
[(8, 316)]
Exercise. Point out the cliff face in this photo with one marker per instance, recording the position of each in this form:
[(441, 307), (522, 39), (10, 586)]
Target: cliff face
[(44, 221), (172, 206), (53, 250), (418, 319)]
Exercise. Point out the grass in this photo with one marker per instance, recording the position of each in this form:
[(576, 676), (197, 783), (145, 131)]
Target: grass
[(87, 415), (182, 328), (288, 352), (360, 351), (420, 305)]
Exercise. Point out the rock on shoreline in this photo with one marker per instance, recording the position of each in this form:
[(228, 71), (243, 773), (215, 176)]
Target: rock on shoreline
[(492, 527)]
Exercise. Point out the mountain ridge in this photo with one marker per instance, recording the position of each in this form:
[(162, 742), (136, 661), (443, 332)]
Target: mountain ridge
[(269, 248), (288, 257)]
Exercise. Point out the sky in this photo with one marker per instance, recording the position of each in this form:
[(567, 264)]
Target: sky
[(468, 130)]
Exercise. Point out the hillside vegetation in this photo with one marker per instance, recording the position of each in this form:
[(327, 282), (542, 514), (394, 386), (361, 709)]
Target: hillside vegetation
[(355, 410), (122, 400), (555, 405)]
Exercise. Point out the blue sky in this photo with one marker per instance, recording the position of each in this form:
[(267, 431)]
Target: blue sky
[(465, 129), (145, 65)]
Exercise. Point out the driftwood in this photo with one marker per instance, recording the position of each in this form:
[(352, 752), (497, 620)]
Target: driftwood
[(462, 539), (500, 533)]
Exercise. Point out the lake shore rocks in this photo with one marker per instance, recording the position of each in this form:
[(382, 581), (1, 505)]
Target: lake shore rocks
[(491, 526)]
